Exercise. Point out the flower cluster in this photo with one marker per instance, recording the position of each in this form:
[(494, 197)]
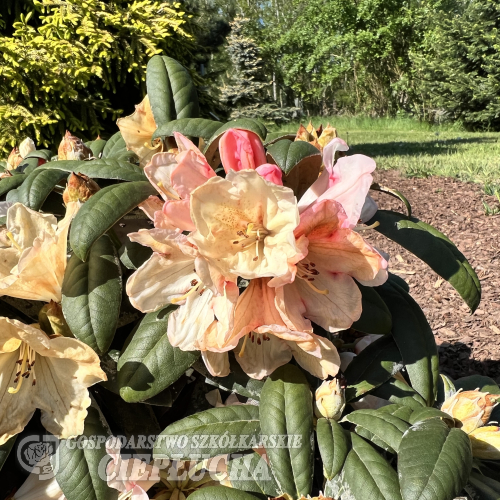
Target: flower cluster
[(252, 269)]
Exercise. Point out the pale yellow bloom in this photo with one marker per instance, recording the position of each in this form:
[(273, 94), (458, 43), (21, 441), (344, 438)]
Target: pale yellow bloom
[(329, 400), (137, 131), (244, 224), (33, 253), (51, 374), (485, 442)]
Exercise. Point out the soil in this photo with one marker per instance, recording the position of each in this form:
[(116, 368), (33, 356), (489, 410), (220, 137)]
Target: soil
[(468, 343)]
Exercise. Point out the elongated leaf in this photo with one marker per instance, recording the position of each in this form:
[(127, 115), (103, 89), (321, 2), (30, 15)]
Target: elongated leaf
[(8, 183), (434, 461), (402, 412), (333, 445), (252, 473), (372, 367), (96, 147), (415, 340), (299, 161), (150, 363), (5, 450), (221, 493), (12, 196), (209, 433), (473, 382), (273, 137), (171, 91), (393, 192), (367, 475), (133, 255), (44, 154), (105, 168), (92, 294), (482, 487), (435, 249), (286, 410), (399, 393), (27, 165), (79, 466), (38, 185), (375, 317), (425, 413), (103, 210), (446, 389), (384, 429), (193, 127), (115, 145), (212, 147)]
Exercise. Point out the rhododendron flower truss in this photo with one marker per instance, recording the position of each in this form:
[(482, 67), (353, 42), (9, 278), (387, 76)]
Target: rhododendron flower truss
[(175, 176), (244, 225), (267, 339), (324, 287), (33, 253), (51, 374), (177, 274)]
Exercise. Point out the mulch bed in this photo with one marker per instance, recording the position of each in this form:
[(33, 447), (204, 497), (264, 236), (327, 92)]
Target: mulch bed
[(468, 344)]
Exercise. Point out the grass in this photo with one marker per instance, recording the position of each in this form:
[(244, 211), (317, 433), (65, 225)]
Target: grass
[(420, 149)]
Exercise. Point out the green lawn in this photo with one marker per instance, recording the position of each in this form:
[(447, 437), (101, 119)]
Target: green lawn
[(419, 149)]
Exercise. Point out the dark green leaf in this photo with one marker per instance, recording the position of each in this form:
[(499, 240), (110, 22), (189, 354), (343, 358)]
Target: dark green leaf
[(44, 154), (105, 168), (434, 461), (372, 367), (375, 317), (5, 450), (171, 91), (96, 147), (104, 210), (8, 183), (482, 487), (115, 145), (473, 382), (402, 412), (333, 446), (383, 429), (286, 410), (273, 137), (252, 473), (435, 249), (92, 294), (38, 185), (415, 340), (367, 475), (79, 471), (209, 433), (191, 127), (400, 393), (133, 254), (221, 493), (425, 413), (150, 363)]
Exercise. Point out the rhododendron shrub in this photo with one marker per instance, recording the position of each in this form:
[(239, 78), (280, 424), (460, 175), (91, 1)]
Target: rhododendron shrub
[(182, 253)]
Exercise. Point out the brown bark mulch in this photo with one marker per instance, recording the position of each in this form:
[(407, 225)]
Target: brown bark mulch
[(468, 344)]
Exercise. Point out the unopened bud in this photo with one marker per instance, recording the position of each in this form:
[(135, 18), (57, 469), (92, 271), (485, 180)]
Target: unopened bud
[(329, 400), (472, 408), (14, 159), (51, 320), (328, 134), (73, 148), (26, 147), (486, 442), (79, 188)]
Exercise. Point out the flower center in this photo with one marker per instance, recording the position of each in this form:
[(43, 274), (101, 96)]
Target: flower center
[(260, 338), (27, 362), (252, 236), (196, 286), (306, 271)]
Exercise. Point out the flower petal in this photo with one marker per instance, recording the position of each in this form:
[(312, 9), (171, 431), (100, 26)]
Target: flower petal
[(272, 173), (217, 363), (151, 206), (241, 150), (191, 171), (177, 213), (158, 172)]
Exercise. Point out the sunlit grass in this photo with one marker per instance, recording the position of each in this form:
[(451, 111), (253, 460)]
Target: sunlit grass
[(419, 149)]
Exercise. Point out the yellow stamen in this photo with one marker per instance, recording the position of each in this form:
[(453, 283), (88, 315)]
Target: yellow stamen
[(242, 351), (186, 295), (127, 494), (317, 290), (14, 242)]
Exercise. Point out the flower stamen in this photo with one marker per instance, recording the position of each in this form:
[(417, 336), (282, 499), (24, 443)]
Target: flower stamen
[(27, 361), (306, 271), (13, 241), (194, 288), (242, 351), (366, 228)]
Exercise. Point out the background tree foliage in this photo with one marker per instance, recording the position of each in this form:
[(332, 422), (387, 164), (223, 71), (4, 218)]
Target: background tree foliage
[(78, 63)]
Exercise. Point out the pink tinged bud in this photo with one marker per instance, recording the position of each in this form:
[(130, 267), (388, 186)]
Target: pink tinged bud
[(241, 150), (271, 173)]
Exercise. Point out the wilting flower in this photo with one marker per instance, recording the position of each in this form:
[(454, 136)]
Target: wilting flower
[(131, 477), (485, 442), (73, 148), (33, 253), (329, 400), (323, 288), (265, 339), (137, 131), (176, 274), (57, 384), (243, 150), (14, 159), (472, 408), (176, 176), (319, 138), (17, 155), (79, 188), (245, 224), (345, 181)]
